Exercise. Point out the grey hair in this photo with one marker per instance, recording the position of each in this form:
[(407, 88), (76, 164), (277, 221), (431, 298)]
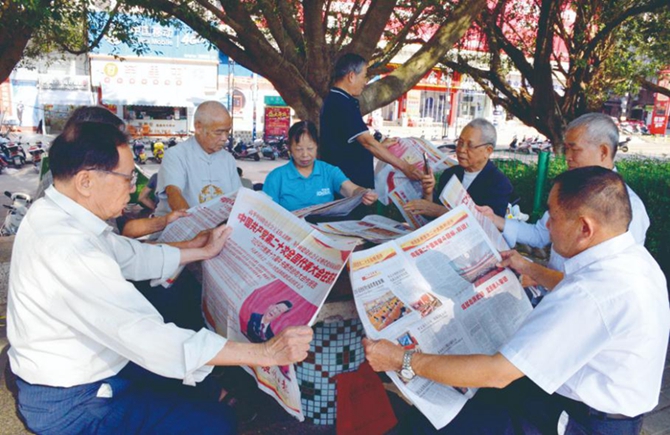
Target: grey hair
[(598, 128), (348, 63), (207, 111), (487, 130)]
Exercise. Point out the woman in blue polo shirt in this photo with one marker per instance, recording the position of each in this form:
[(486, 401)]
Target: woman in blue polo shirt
[(306, 181)]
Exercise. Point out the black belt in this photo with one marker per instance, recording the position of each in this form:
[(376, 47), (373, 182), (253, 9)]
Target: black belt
[(579, 409)]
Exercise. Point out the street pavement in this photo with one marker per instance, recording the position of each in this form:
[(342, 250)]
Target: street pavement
[(273, 420)]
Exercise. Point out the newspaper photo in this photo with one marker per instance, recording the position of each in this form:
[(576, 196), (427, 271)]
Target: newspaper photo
[(438, 290), (454, 194), (275, 271)]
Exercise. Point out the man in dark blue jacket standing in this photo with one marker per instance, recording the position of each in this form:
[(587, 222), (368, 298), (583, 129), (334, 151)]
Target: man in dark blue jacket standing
[(345, 139)]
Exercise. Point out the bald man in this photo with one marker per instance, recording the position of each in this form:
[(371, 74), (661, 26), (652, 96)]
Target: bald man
[(198, 169), (595, 347)]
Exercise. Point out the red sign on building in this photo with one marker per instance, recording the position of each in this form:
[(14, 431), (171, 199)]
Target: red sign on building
[(277, 121), (659, 118)]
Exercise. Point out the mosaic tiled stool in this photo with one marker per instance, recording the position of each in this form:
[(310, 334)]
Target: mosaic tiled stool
[(336, 349)]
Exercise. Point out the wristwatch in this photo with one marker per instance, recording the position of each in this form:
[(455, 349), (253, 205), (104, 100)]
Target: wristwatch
[(406, 372)]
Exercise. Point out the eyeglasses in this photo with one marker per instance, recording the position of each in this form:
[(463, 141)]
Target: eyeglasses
[(460, 143), (131, 178)]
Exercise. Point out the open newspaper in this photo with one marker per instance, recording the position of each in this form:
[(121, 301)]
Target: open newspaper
[(275, 271), (392, 185), (374, 228), (438, 290), (202, 217), (339, 207), (454, 194)]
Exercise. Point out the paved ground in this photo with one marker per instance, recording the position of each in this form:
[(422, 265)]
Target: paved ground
[(273, 420)]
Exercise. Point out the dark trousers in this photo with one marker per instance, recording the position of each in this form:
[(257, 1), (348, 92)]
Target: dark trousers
[(523, 408), (142, 403), (180, 303)]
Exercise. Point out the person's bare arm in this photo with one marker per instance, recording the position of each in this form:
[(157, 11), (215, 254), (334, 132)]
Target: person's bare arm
[(176, 200), (425, 208), (145, 226), (380, 151), (287, 347), (493, 371), (543, 276), (350, 189), (487, 211), (145, 198)]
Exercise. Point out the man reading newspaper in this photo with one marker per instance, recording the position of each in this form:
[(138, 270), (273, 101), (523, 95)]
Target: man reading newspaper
[(594, 348)]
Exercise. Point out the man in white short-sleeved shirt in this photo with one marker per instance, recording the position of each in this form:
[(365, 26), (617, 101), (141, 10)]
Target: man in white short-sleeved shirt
[(199, 169), (595, 347), (77, 327), (590, 140)]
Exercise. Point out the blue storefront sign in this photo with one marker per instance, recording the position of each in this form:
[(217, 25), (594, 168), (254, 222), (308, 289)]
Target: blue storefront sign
[(175, 41)]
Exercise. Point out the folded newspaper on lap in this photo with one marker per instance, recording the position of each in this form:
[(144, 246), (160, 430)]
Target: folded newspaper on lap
[(202, 217), (438, 290), (340, 207), (275, 271)]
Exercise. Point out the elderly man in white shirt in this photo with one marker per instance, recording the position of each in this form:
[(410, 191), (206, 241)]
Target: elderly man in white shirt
[(75, 324), (199, 169), (594, 348), (590, 140)]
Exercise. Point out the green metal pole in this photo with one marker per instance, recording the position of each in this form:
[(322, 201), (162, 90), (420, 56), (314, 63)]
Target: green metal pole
[(542, 170)]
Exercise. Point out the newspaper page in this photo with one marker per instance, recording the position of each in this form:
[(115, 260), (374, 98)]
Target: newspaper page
[(455, 194), (405, 192), (411, 150), (369, 228), (202, 217), (275, 271), (339, 207), (438, 290)]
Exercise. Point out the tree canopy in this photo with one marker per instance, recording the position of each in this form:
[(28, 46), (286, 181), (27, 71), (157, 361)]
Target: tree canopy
[(560, 48), (294, 44)]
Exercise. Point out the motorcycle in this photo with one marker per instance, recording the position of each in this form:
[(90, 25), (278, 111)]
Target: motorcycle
[(540, 146), (3, 163), (270, 148), (623, 145), (171, 142), (36, 151), (14, 153), (17, 211), (138, 150), (158, 150), (244, 151)]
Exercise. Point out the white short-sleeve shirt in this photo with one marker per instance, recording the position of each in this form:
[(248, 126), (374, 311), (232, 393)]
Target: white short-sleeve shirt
[(72, 316), (199, 175), (537, 235), (601, 336)]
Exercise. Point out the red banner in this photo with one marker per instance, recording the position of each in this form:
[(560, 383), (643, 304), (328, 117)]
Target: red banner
[(659, 118), (277, 121)]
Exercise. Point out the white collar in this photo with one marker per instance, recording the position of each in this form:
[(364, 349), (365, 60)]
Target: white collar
[(602, 250), (85, 217)]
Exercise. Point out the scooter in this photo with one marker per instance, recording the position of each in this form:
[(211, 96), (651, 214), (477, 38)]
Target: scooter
[(623, 145), (138, 150), (3, 163), (269, 149), (171, 142), (244, 151), (36, 151), (17, 211), (158, 150), (14, 154)]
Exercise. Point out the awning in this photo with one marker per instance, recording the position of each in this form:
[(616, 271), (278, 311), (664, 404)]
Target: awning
[(136, 96), (65, 98)]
